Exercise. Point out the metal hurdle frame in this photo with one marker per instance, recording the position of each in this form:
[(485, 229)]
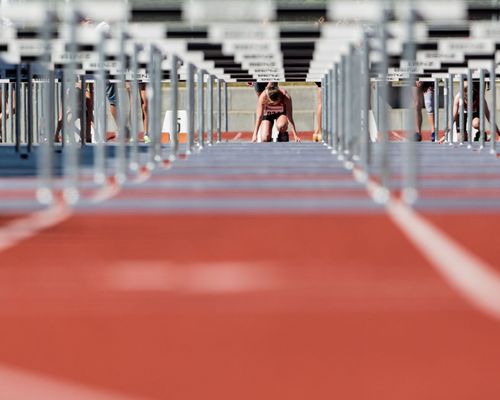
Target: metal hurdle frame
[(201, 107), (365, 147), (219, 110), (134, 111), (121, 150), (493, 114), (174, 93), (210, 110), (461, 136), (382, 94), (345, 123), (70, 155), (482, 108), (469, 107), (45, 191), (324, 108), (436, 109), (190, 106), (409, 192), (100, 115), (451, 99)]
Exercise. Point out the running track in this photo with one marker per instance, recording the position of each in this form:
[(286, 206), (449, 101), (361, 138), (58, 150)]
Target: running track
[(255, 272)]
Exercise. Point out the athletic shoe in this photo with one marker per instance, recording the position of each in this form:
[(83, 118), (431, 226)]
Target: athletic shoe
[(147, 139), (283, 137), (418, 137)]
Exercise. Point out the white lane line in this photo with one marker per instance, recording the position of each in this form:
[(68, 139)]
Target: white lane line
[(19, 384), (105, 193), (465, 272), (473, 278), (25, 228), (203, 278), (470, 276)]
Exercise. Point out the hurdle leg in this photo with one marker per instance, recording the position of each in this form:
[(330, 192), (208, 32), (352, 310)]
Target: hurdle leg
[(219, 110), (174, 93), (493, 112), (29, 109), (482, 108), (323, 110), (436, 110), (451, 98), (100, 116), (331, 107), (462, 111), (4, 113), (469, 107), (226, 108), (190, 104), (210, 110), (70, 156), (365, 105), (157, 82), (18, 109), (410, 164), (121, 151), (201, 108), (134, 113)]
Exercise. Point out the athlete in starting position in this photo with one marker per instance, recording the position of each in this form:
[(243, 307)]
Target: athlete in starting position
[(274, 105)]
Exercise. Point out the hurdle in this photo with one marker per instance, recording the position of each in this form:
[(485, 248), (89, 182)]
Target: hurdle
[(382, 44)]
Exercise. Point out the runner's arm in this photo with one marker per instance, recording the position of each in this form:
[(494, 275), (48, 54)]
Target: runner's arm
[(260, 113)]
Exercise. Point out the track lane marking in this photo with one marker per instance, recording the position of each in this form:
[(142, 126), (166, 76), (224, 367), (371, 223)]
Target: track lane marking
[(19, 384), (195, 278), (475, 279), (465, 272), (25, 228), (106, 193)]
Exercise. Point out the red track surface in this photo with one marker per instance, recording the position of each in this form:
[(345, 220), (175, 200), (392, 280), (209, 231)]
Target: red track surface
[(342, 306)]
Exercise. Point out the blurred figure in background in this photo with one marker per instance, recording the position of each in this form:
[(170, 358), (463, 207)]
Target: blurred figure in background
[(423, 95), (475, 111)]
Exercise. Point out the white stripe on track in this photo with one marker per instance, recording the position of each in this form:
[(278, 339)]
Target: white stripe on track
[(465, 272), (18, 384), (473, 278), (107, 192), (25, 228)]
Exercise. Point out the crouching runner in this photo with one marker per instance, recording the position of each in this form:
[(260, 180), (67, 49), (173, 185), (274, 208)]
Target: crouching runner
[(274, 106)]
